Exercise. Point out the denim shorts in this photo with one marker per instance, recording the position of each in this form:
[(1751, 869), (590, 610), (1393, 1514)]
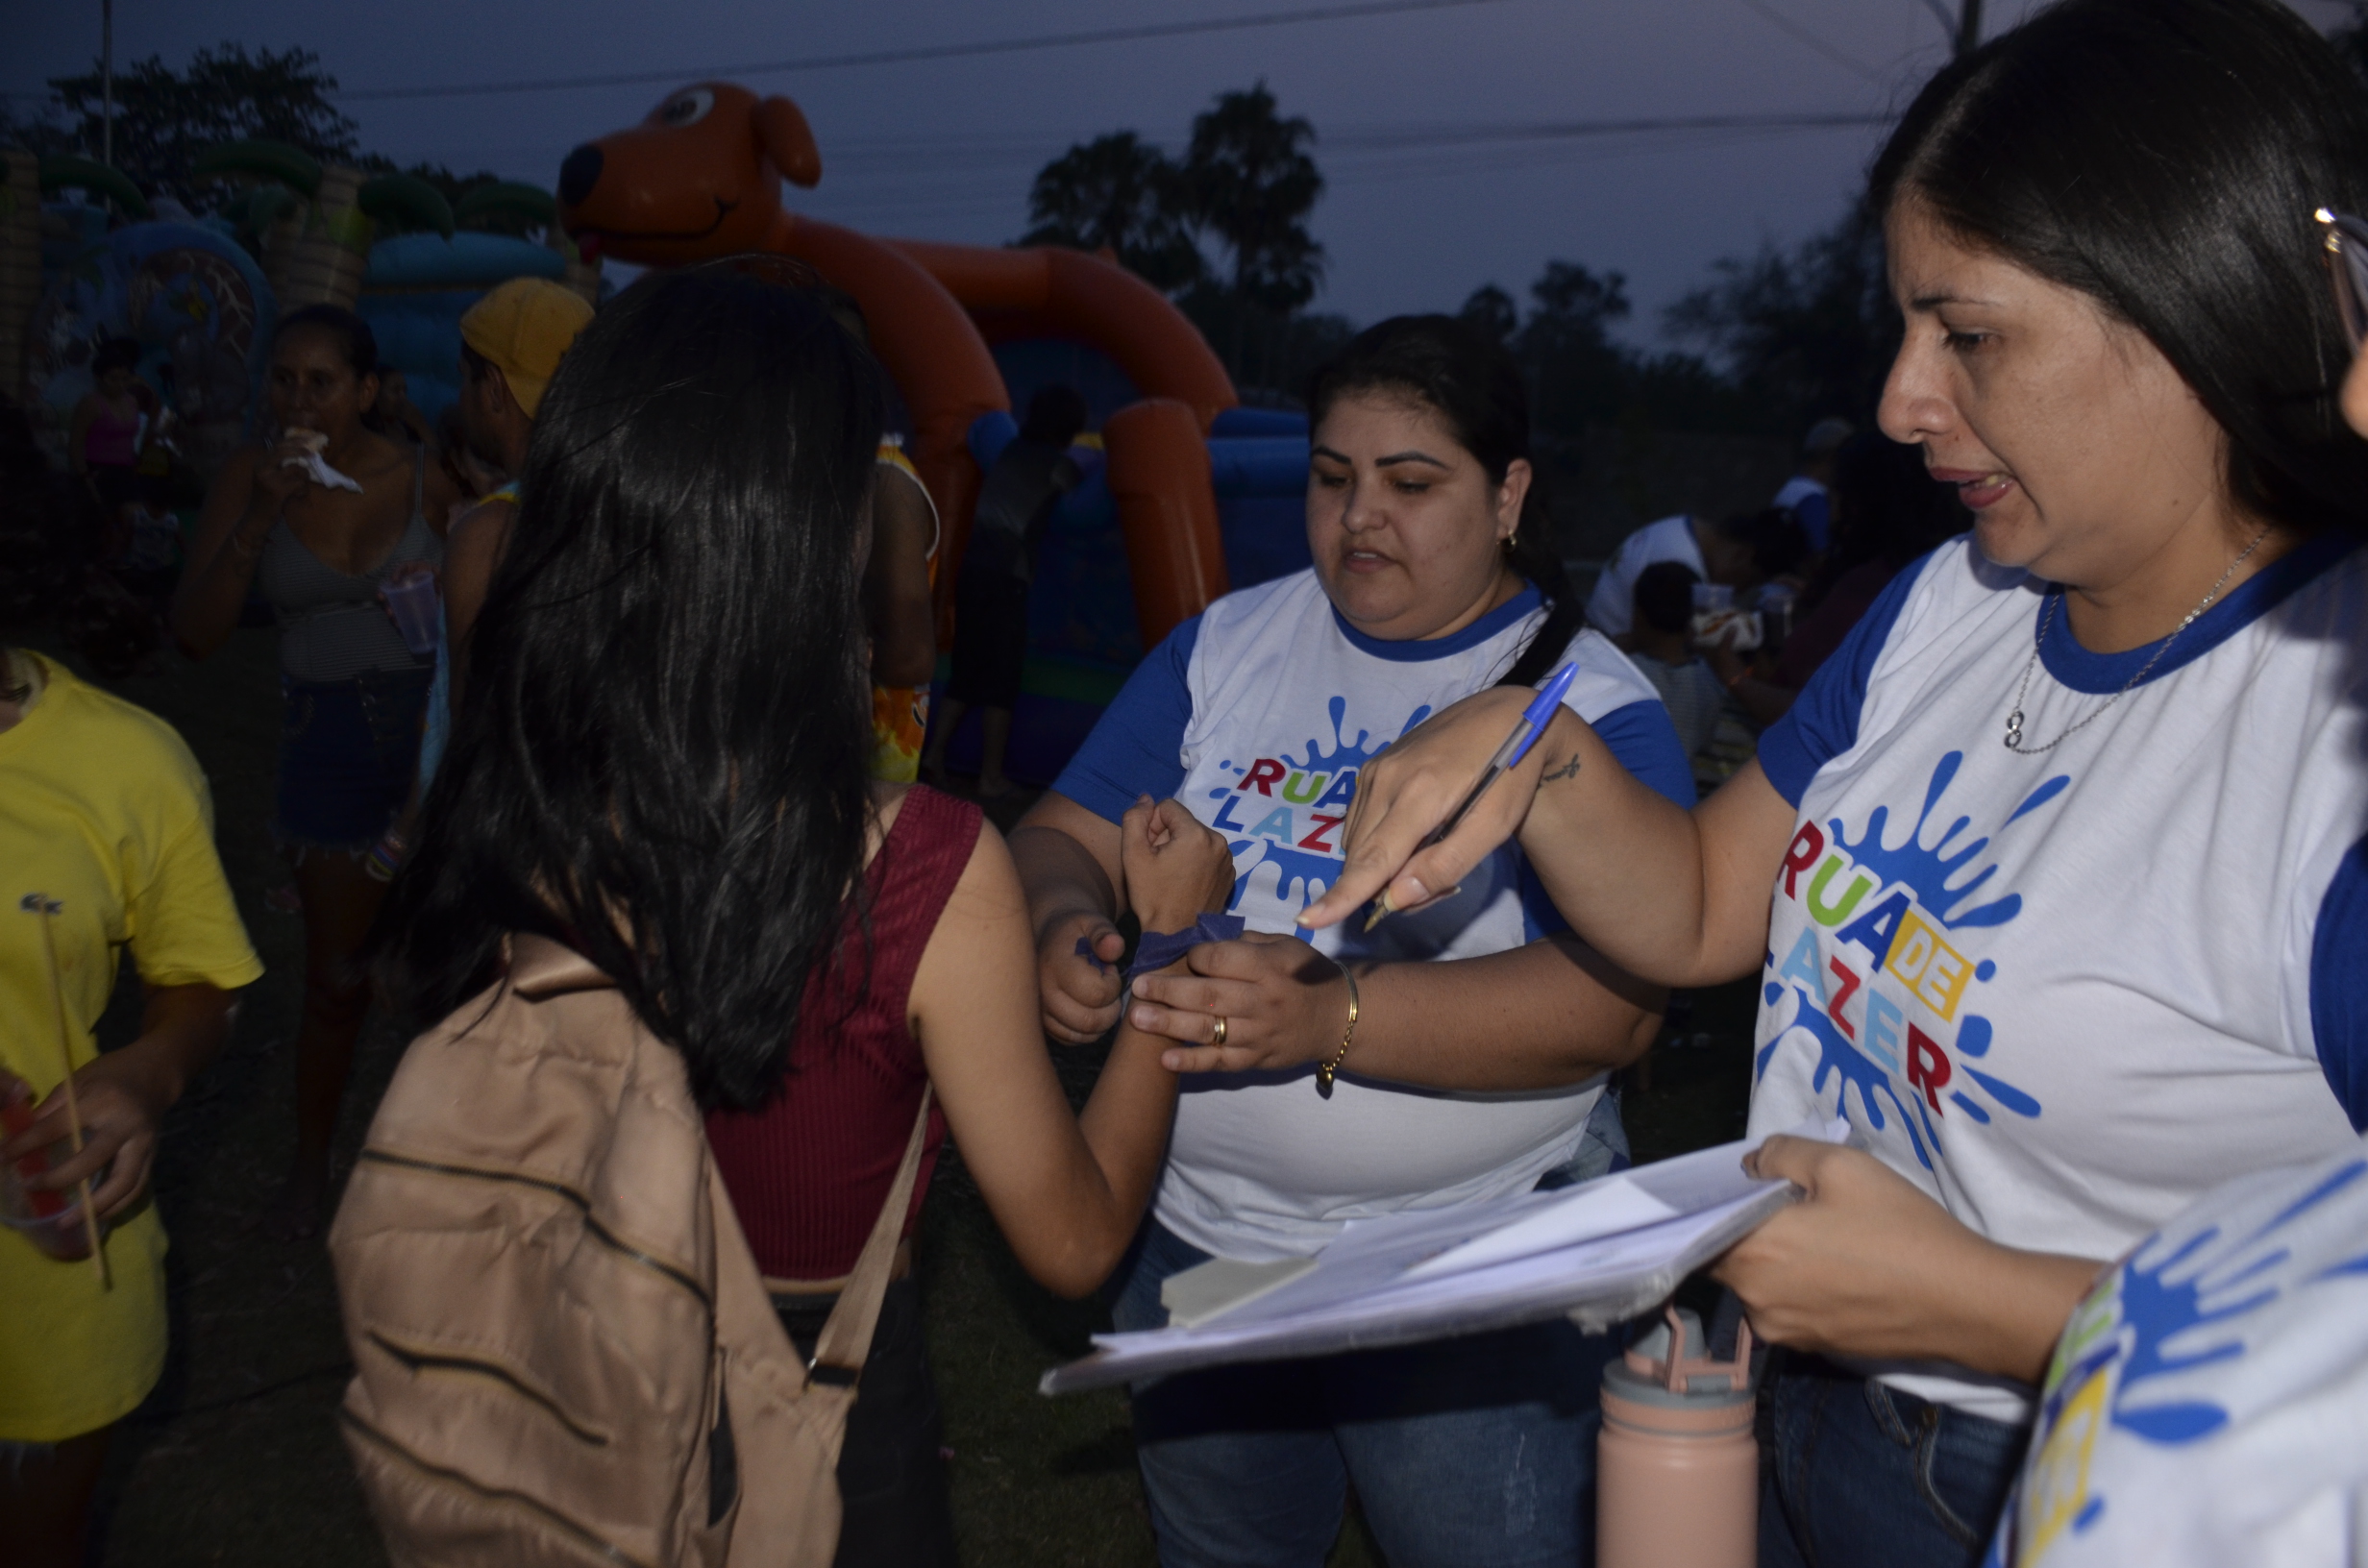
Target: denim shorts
[(348, 749)]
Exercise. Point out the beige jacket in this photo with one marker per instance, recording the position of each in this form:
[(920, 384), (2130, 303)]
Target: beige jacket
[(564, 1352)]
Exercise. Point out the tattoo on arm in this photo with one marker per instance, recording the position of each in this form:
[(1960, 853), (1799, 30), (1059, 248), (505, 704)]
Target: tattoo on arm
[(1569, 769)]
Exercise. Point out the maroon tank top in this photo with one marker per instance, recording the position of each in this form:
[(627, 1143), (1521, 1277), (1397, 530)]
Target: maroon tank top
[(809, 1171)]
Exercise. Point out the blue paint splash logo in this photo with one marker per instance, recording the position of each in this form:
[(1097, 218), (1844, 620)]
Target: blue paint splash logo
[(2197, 1286), (1838, 1057), (1926, 871), (1303, 872), (1349, 753), (2170, 1308)]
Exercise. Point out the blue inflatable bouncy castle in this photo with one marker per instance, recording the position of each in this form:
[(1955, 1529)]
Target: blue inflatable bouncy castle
[(419, 285), (194, 300), (1082, 627)]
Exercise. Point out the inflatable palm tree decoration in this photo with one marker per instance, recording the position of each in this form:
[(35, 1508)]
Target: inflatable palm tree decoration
[(315, 221)]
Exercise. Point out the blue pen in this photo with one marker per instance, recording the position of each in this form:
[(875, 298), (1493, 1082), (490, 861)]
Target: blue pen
[(1508, 756)]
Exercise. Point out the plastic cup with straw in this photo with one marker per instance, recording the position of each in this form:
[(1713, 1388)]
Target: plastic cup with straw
[(49, 909)]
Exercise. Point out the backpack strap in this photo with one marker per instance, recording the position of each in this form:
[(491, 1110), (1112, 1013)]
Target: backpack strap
[(841, 1349)]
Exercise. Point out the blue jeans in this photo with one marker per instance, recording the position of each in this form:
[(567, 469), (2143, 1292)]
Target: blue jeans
[(1861, 1473), (1476, 1451)]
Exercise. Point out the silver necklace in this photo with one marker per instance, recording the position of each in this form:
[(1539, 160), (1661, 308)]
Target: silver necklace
[(2014, 719)]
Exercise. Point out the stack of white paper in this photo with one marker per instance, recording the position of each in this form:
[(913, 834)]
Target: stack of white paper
[(1599, 1253)]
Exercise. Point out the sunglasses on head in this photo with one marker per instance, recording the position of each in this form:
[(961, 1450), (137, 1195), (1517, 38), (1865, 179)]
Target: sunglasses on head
[(2346, 238)]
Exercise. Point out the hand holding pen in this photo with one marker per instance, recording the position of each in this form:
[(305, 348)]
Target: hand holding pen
[(1448, 735)]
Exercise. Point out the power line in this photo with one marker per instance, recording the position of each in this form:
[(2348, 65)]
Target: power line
[(887, 197), (985, 154), (1803, 36), (924, 52), (908, 175), (1362, 150), (991, 148), (1023, 147), (1942, 14), (1467, 135)]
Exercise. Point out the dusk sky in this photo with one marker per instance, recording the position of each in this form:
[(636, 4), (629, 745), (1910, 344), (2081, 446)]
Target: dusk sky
[(1419, 210)]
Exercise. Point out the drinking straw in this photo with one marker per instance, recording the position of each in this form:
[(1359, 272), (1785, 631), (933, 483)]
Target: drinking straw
[(34, 903)]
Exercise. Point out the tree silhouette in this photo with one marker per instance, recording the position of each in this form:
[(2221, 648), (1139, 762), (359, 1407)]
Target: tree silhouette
[(1579, 375), (165, 118), (1574, 307), (1118, 191), (1251, 182), (1492, 310), (1804, 333)]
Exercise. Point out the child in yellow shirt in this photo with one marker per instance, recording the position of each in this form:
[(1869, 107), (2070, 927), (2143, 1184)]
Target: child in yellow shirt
[(105, 824)]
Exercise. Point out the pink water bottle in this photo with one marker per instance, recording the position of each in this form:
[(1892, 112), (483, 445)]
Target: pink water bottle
[(1677, 1470)]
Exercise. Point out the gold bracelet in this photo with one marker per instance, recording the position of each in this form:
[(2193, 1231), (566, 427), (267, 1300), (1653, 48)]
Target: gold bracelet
[(1324, 1071)]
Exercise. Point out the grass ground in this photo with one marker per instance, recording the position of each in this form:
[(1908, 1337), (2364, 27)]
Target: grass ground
[(236, 1458)]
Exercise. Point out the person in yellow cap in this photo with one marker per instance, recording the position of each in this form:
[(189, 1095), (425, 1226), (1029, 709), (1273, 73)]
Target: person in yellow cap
[(511, 342)]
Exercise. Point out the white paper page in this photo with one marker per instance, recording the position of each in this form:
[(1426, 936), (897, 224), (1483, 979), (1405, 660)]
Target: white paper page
[(1369, 1289), (1645, 1195), (1617, 1257), (1371, 1254), (1520, 1289), (1601, 1207)]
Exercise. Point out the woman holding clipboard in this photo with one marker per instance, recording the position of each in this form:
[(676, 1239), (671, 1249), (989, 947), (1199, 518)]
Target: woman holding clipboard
[(2052, 876)]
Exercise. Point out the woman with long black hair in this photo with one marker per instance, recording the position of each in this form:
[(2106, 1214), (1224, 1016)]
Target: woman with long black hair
[(662, 766), (2053, 877)]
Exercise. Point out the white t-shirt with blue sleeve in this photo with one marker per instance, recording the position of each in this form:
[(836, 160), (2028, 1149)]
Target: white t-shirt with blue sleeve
[(1258, 715), (2209, 1402), (2066, 993), (1611, 607)]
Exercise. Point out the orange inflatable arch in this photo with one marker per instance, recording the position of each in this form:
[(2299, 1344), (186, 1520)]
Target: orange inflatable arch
[(701, 178)]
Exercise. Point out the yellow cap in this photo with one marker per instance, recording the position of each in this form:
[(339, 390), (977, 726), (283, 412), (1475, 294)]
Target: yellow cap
[(524, 325)]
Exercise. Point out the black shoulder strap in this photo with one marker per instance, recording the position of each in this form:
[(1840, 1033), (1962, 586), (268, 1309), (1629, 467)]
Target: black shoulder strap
[(1564, 618)]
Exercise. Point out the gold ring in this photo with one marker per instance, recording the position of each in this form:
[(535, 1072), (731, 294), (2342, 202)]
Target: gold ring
[(1219, 1036)]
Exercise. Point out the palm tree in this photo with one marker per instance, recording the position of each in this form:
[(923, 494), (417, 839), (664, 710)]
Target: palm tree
[(1252, 184), (1119, 193)]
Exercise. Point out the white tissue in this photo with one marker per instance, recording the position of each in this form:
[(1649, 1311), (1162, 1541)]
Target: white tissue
[(320, 473)]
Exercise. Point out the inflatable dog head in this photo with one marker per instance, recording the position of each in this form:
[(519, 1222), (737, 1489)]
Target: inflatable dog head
[(701, 177)]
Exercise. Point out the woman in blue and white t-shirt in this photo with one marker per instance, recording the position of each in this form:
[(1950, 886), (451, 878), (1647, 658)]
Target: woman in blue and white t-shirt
[(1483, 1032), (2247, 1439), (2068, 903)]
